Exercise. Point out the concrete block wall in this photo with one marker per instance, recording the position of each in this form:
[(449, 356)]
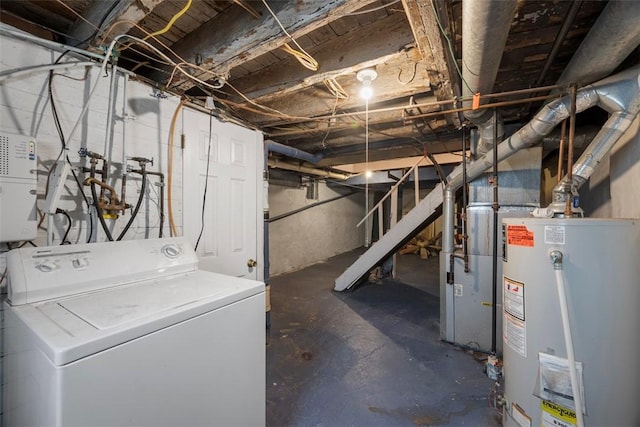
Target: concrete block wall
[(315, 234), (140, 128)]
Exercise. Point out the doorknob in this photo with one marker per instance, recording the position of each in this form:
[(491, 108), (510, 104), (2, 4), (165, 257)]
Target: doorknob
[(252, 263)]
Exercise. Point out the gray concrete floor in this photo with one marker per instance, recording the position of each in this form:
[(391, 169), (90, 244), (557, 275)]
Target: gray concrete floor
[(371, 357)]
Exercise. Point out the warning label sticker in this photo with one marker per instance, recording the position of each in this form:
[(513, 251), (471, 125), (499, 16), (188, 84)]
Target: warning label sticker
[(514, 298), (554, 415), (520, 416), (457, 290), (519, 235), (554, 235), (515, 334)]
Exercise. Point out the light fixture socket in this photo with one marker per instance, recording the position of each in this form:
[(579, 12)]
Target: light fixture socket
[(366, 76)]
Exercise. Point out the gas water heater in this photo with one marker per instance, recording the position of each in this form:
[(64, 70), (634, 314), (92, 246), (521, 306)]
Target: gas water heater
[(600, 274)]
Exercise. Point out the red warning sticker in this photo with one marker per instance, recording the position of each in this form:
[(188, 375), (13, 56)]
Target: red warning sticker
[(519, 235)]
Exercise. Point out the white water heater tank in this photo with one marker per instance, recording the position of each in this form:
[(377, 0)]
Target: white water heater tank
[(601, 266)]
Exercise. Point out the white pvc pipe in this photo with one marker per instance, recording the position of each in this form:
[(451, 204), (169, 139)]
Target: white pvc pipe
[(8, 74), (14, 32), (49, 229), (573, 372)]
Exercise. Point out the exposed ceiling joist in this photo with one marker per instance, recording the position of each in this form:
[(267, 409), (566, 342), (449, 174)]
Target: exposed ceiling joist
[(317, 100), (431, 43), (342, 55), (126, 11), (228, 40)]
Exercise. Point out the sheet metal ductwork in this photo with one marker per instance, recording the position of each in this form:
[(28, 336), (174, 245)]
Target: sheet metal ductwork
[(485, 28), (619, 95), (611, 39), (291, 152)]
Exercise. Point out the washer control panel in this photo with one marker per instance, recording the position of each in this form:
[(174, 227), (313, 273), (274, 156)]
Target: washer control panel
[(37, 274)]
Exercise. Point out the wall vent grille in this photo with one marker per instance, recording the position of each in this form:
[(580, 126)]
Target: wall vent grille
[(4, 155)]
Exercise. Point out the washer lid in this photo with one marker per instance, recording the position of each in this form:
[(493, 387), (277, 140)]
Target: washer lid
[(72, 328)]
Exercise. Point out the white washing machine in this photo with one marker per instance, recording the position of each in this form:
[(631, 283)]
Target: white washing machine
[(130, 333)]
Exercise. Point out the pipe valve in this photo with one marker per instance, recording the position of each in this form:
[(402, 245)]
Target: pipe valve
[(556, 259)]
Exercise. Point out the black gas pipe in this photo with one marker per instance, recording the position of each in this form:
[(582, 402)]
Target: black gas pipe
[(496, 208)]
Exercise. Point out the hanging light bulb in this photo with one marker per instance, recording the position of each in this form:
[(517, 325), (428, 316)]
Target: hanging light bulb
[(366, 76), (366, 92), (368, 174)]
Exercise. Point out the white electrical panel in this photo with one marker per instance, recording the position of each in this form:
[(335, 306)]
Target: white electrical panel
[(18, 180)]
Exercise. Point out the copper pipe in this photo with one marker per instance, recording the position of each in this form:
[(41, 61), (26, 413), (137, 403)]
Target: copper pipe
[(568, 211), (427, 104), (561, 148), (114, 204), (435, 113)]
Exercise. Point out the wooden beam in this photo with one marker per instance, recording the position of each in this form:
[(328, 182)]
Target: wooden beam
[(317, 100), (117, 10), (233, 37), (433, 47), (25, 25), (385, 40)]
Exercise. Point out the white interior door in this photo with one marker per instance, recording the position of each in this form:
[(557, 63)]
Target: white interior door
[(231, 241)]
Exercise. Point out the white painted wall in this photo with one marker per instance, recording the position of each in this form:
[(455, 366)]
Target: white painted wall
[(25, 108), (315, 234)]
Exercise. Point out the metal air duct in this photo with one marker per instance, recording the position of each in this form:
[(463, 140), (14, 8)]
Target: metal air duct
[(485, 28), (611, 39), (619, 95)]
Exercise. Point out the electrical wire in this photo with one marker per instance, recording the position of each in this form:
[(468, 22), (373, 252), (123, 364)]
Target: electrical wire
[(178, 66), (413, 76), (4, 275), (206, 183), (171, 21), (82, 18), (335, 88), (56, 120), (166, 27), (362, 12), (444, 34), (302, 56), (66, 233), (44, 27), (335, 105), (102, 21)]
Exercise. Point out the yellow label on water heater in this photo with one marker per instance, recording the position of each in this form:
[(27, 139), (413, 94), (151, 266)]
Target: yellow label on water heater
[(554, 415)]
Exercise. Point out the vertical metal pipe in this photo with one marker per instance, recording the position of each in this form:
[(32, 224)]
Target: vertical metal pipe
[(562, 34), (125, 117), (465, 248), (265, 242), (561, 150), (447, 226), (496, 207), (110, 106), (416, 185), (568, 211), (380, 222)]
